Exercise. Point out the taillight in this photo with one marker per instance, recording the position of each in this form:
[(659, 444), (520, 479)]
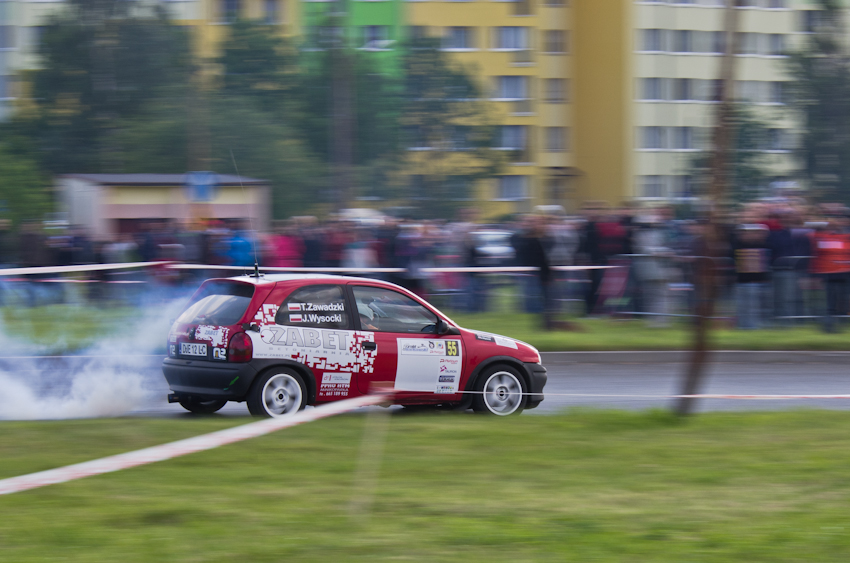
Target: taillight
[(240, 349)]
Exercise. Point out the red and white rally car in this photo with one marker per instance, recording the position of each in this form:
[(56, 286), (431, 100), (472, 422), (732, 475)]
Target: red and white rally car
[(281, 342)]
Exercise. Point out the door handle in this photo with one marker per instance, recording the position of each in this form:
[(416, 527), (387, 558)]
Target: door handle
[(370, 345)]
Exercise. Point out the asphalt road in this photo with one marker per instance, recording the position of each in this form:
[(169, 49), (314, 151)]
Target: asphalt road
[(628, 376)]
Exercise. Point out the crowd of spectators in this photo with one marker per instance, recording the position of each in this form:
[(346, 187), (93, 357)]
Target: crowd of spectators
[(783, 262)]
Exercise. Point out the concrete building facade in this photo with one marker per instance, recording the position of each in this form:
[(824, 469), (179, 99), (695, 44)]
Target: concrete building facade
[(596, 99)]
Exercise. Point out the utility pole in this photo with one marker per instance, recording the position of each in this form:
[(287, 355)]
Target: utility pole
[(705, 278)]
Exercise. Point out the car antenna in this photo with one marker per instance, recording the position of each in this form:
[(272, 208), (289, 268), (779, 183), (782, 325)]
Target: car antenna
[(256, 273)]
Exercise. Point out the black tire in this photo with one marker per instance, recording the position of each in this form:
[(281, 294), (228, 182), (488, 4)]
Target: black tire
[(500, 390), (278, 392), (202, 407)]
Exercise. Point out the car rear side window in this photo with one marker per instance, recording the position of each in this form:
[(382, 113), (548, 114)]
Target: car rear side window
[(218, 303), (316, 306), (385, 310)]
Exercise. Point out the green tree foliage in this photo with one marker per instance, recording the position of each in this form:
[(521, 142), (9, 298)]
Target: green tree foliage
[(23, 189), (820, 92), (749, 166), (257, 62), (442, 112), (101, 61)]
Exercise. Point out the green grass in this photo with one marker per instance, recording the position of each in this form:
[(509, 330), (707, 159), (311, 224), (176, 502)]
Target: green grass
[(611, 334), (584, 486)]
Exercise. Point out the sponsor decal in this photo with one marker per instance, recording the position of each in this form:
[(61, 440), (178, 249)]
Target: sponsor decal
[(335, 384), (296, 318), (266, 314), (428, 364), (317, 307), (172, 337), (496, 339), (217, 335), (321, 349), (420, 347), (172, 350), (220, 353)]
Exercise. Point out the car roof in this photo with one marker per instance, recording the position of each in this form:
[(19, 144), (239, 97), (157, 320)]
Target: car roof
[(275, 278)]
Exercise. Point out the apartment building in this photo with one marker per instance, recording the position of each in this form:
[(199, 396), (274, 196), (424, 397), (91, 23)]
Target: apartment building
[(677, 52), (595, 99)]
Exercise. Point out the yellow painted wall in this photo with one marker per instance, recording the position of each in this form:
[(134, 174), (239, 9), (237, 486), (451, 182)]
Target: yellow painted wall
[(603, 140)]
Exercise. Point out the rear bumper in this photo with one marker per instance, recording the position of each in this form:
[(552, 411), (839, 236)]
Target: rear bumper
[(204, 379), (536, 381)]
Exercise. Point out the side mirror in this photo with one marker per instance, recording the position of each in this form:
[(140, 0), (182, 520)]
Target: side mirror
[(442, 327)]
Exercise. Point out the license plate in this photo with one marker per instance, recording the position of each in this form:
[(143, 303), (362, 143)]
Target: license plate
[(190, 349)]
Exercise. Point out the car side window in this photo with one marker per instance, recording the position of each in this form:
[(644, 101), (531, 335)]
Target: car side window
[(385, 310), (315, 306)]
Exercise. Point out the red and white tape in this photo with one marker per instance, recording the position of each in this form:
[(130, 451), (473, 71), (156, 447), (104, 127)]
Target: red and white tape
[(181, 447)]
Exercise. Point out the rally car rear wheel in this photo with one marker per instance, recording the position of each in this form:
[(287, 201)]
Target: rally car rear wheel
[(500, 391), (280, 392)]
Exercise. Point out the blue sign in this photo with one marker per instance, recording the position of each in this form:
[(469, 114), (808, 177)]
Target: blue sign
[(201, 186)]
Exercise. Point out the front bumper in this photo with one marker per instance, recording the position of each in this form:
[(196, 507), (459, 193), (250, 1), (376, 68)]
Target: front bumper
[(205, 380), (536, 381)]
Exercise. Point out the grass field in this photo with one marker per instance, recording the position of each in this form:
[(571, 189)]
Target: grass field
[(611, 334), (583, 486)]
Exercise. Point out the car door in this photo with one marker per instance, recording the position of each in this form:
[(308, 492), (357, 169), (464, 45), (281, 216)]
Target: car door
[(411, 357), (313, 326)]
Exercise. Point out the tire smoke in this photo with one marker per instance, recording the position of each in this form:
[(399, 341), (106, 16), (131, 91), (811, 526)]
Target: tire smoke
[(118, 375)]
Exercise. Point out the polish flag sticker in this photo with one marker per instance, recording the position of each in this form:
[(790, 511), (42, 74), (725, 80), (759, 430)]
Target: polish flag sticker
[(294, 306), (295, 318)]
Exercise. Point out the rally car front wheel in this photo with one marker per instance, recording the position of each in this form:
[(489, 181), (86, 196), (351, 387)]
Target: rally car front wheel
[(280, 392), (500, 390)]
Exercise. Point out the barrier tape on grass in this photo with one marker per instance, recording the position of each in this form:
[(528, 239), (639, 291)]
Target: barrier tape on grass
[(664, 396), (181, 447)]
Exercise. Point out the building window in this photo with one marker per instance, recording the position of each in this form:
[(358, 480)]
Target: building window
[(556, 139), (777, 92), (272, 11), (555, 90), (512, 87), (510, 38), (512, 188), (809, 21), (555, 3), (458, 38), (652, 40), (514, 138), (417, 32), (652, 138), (776, 42), (7, 37), (683, 89), (229, 11), (652, 186), (682, 41), (376, 36), (650, 89), (554, 41), (683, 138)]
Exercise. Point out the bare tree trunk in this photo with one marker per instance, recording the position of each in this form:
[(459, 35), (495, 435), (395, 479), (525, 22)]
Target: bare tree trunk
[(705, 275)]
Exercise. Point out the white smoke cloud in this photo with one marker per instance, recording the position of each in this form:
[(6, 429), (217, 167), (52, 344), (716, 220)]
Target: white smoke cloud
[(119, 374)]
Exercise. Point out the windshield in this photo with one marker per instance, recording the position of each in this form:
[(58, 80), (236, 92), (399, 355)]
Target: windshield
[(218, 304)]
